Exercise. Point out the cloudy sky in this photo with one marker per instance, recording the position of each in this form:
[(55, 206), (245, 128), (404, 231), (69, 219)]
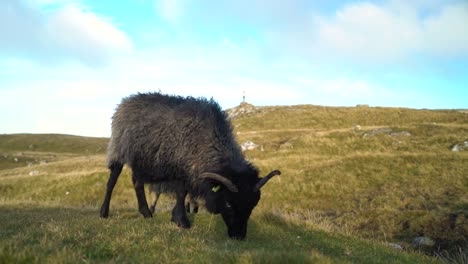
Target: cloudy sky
[(65, 65)]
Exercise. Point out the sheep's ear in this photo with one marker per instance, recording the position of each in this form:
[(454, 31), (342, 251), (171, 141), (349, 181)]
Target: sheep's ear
[(265, 179)]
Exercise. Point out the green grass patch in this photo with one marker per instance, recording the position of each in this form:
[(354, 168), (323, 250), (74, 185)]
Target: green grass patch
[(68, 235)]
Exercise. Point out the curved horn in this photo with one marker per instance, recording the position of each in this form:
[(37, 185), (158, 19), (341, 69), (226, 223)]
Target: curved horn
[(226, 182), (266, 179)]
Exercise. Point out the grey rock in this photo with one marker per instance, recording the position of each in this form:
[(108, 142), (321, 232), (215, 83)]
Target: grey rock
[(400, 134), (460, 146), (382, 130), (249, 145), (423, 241), (395, 246), (286, 145), (34, 173), (388, 131)]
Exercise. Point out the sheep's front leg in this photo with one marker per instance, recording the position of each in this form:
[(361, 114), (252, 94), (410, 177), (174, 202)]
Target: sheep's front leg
[(179, 215), (154, 194)]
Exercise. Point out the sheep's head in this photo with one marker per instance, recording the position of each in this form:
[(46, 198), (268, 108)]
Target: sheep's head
[(234, 202)]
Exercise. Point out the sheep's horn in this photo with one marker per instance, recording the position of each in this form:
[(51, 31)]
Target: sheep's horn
[(266, 179), (226, 182)]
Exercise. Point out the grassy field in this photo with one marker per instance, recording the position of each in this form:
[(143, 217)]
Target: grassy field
[(354, 180)]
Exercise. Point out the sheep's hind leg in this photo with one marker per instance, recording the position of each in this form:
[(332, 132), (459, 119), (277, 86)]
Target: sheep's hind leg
[(116, 169), (141, 197)]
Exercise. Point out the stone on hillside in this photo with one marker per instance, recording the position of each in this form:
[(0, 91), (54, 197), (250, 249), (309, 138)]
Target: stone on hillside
[(34, 173), (249, 145), (357, 128), (400, 134), (387, 131), (382, 130), (286, 145), (423, 241), (395, 246), (460, 146)]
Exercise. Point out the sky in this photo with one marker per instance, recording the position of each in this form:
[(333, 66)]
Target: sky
[(66, 64)]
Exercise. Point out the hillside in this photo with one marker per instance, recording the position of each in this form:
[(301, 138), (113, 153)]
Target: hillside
[(18, 150), (386, 173), (355, 183)]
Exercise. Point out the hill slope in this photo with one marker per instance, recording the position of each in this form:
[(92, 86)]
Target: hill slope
[(18, 150), (353, 180), (386, 173)]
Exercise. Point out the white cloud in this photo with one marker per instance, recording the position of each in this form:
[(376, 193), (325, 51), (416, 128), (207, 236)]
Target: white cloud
[(357, 31), (447, 34), (69, 32), (170, 10), (85, 34), (369, 32), (388, 32)]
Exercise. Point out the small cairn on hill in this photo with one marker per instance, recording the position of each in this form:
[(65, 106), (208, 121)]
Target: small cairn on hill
[(242, 109)]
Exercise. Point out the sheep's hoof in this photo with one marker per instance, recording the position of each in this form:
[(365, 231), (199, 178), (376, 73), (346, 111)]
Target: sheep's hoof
[(146, 213), (104, 213), (182, 223)]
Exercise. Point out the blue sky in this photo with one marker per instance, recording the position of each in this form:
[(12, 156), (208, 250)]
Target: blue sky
[(65, 65)]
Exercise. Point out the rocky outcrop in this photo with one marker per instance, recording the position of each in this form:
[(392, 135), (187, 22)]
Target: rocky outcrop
[(242, 109), (382, 130), (387, 131)]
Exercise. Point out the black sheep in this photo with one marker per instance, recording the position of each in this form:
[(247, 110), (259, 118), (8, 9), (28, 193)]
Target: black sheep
[(189, 142)]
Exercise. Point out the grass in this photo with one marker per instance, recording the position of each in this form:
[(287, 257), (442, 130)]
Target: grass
[(342, 196), (70, 235)]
